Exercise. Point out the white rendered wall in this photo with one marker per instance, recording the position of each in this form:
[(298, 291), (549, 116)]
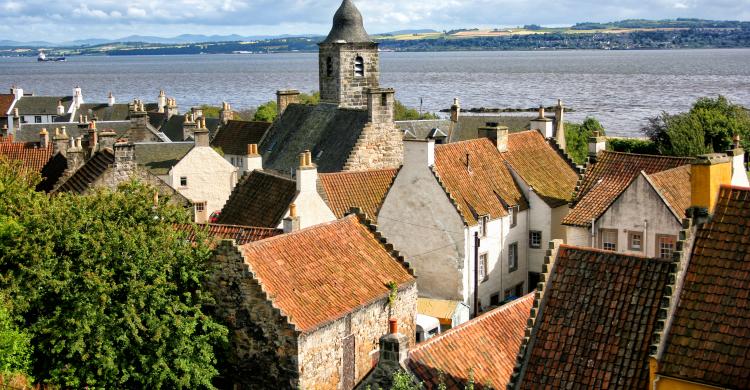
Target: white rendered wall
[(210, 178)]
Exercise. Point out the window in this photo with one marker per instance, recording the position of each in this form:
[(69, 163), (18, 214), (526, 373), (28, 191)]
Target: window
[(183, 181), (231, 159), (534, 278), (608, 239), (535, 239), (495, 299), (38, 119), (635, 241), (513, 211), (359, 67), (384, 99), (329, 67), (512, 257), (483, 221), (482, 267), (200, 207), (666, 246), (514, 292)]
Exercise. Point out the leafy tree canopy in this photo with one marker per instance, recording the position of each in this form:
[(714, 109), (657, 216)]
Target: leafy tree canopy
[(108, 291), (577, 138)]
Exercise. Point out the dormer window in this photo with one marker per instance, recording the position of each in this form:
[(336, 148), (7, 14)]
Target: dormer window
[(329, 67), (359, 67)]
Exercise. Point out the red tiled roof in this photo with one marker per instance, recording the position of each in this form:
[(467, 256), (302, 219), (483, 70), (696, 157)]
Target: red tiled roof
[(595, 321), (5, 102), (487, 346), (234, 137), (484, 186), (674, 185), (365, 190), (240, 234), (539, 165), (709, 340), (320, 274), (606, 179), (34, 158)]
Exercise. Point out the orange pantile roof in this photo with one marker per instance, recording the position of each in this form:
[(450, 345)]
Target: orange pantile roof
[(709, 339), (484, 186), (674, 186), (365, 190), (34, 158), (5, 102), (540, 166), (487, 346), (317, 275), (240, 234), (608, 177)]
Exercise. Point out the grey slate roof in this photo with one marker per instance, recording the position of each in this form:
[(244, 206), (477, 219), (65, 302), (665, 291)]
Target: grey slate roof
[(103, 112), (260, 199), (329, 132), (466, 128), (234, 137), (42, 105), (173, 127), (348, 25), (160, 157), (90, 172), (30, 132)]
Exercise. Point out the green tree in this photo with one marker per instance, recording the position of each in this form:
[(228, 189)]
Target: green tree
[(577, 138), (15, 344), (110, 293), (210, 111), (403, 113), (402, 380), (708, 127)]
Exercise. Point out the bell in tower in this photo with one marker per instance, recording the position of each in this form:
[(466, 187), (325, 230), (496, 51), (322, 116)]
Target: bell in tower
[(348, 61)]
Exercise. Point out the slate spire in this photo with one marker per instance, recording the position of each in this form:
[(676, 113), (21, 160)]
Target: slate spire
[(348, 25)]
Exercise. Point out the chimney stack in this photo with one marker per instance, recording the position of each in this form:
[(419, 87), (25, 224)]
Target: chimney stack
[(307, 174), (60, 141), (497, 134), (597, 143), (739, 171), (254, 159), (455, 110), (107, 139), (560, 125), (292, 223), (284, 98), (75, 155), (201, 136), (4, 131), (542, 124), (43, 139), (226, 114), (380, 103), (18, 92), (60, 108), (16, 122), (171, 107), (124, 158), (419, 152), (161, 101), (707, 174), (111, 99), (77, 97), (93, 138)]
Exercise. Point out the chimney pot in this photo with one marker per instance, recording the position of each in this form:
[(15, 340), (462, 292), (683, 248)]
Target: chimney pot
[(293, 210), (392, 326), (302, 159)]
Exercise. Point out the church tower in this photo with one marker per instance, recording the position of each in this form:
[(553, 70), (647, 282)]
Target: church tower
[(348, 61)]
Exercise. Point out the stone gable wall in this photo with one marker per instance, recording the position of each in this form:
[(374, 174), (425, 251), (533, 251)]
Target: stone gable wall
[(263, 346), (321, 352), (379, 146)]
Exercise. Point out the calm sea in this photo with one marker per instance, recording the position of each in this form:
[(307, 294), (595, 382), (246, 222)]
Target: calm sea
[(620, 88)]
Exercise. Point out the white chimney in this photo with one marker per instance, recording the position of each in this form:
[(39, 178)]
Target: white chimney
[(161, 101), (111, 100), (419, 152), (307, 174), (292, 222), (253, 161), (77, 97), (597, 143), (60, 108), (18, 92), (543, 124), (739, 171)]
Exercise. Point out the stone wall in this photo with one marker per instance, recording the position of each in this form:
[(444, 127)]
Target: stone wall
[(338, 82), (379, 146), (321, 353), (263, 346)]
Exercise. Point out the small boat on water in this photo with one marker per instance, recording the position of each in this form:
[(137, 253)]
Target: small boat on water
[(43, 58)]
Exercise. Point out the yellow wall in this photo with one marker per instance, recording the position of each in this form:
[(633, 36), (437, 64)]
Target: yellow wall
[(706, 181), (659, 382)]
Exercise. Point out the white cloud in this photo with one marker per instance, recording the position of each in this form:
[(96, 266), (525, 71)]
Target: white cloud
[(31, 19)]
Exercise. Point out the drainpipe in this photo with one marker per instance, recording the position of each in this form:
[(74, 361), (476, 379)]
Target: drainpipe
[(477, 242), (645, 237), (593, 233)]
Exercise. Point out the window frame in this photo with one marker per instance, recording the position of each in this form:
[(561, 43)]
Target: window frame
[(631, 235), (531, 239), (359, 66), (483, 263), (200, 207), (183, 181), (513, 260), (483, 223), (329, 66), (602, 233), (513, 211), (37, 119), (659, 238)]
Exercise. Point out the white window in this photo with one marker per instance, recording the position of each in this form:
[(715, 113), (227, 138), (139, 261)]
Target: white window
[(513, 211), (535, 239), (666, 245), (359, 67), (635, 241), (512, 257), (483, 221), (608, 239), (200, 207), (482, 271)]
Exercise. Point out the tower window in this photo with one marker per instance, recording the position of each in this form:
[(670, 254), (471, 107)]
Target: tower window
[(384, 100), (329, 66), (359, 67)]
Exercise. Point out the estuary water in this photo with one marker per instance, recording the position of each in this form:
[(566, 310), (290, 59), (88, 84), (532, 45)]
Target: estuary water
[(620, 88)]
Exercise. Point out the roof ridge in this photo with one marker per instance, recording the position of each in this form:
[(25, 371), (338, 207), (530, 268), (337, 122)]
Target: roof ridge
[(236, 226), (342, 173), (367, 223), (648, 155), (298, 232), (448, 193), (483, 317), (602, 251)]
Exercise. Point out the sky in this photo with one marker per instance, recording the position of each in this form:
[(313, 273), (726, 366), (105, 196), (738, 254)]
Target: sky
[(62, 21)]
